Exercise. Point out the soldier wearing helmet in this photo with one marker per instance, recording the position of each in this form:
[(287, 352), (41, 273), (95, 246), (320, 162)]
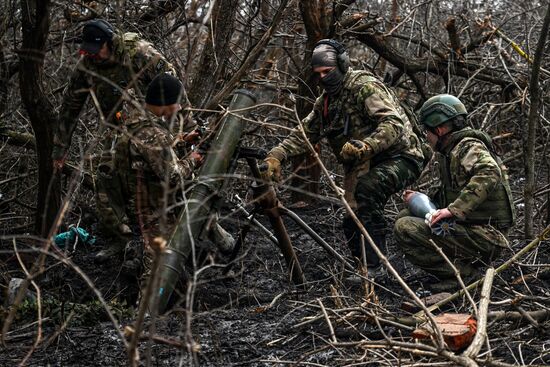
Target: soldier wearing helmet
[(369, 133), (474, 192)]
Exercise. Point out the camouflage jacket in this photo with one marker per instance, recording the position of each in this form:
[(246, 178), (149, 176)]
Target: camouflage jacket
[(135, 63), (364, 110), (475, 184), (147, 163)]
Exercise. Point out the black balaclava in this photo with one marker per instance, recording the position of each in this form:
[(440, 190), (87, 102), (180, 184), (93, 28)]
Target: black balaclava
[(326, 55)]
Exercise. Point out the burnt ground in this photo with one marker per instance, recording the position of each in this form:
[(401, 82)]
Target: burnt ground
[(251, 315)]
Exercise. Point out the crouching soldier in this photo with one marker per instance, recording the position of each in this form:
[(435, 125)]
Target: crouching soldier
[(370, 134), (474, 192), (153, 177)]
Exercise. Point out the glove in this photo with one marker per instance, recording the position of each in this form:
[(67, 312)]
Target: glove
[(271, 169), (356, 150)]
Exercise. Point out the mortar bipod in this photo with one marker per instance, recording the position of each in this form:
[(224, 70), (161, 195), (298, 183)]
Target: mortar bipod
[(266, 198)]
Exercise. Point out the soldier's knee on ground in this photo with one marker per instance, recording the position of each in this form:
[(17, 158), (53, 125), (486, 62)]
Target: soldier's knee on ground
[(406, 229)]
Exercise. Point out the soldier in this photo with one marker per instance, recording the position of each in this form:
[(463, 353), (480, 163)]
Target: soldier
[(151, 173), (474, 191), (112, 62), (370, 135)]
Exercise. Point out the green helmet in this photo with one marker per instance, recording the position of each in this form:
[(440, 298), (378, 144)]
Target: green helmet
[(440, 109)]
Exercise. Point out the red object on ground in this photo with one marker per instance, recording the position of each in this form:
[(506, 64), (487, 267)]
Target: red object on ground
[(458, 330)]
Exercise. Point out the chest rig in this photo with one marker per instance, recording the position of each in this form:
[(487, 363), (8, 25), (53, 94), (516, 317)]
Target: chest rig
[(497, 209)]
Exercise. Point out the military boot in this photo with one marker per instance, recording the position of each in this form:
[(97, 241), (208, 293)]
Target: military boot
[(353, 237), (115, 246)]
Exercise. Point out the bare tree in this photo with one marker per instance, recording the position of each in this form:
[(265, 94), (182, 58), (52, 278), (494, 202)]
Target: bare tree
[(530, 141), (36, 25)]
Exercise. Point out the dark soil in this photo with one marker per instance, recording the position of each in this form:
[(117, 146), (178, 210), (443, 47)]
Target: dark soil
[(247, 315)]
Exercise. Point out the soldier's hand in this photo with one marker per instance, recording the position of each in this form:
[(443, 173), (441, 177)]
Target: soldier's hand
[(197, 158), (271, 169), (190, 137), (356, 150), (439, 215)]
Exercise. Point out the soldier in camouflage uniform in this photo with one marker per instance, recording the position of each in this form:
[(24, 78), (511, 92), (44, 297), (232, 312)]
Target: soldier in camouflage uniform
[(370, 135), (112, 63), (151, 172), (474, 191)]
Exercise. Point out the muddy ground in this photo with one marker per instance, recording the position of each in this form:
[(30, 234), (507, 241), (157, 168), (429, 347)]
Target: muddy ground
[(251, 315)]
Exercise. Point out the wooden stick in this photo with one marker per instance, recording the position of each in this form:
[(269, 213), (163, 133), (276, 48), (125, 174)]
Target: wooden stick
[(481, 335), (332, 334)]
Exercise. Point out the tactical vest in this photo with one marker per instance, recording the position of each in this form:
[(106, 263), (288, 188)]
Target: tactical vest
[(497, 209), (337, 120)]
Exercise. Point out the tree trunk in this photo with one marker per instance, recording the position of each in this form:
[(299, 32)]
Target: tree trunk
[(529, 146), (307, 170), (3, 80), (35, 27), (215, 53)]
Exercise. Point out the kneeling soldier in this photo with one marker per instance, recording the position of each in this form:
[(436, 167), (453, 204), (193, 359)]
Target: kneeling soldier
[(474, 192)]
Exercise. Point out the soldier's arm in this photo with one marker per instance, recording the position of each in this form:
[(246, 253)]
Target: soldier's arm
[(484, 174), (74, 98), (294, 143), (155, 147), (147, 62), (382, 108)]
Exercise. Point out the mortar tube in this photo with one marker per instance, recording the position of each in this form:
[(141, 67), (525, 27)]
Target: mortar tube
[(196, 213)]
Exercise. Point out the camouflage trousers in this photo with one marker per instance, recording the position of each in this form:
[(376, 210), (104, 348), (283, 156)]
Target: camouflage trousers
[(110, 200), (372, 189), (469, 247)]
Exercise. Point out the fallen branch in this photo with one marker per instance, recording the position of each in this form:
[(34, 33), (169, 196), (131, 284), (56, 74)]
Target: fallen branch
[(481, 335), (332, 334)]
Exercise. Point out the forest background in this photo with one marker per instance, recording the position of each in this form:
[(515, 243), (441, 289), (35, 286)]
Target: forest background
[(492, 54)]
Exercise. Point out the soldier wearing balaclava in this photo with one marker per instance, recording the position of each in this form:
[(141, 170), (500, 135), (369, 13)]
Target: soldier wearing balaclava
[(370, 135)]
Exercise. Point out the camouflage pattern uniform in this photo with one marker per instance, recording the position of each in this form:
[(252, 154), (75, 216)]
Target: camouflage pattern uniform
[(151, 176), (135, 63), (475, 189), (365, 109)]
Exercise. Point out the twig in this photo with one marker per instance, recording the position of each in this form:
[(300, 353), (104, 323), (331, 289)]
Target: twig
[(332, 334), (457, 275), (485, 298), (130, 332), (259, 47), (38, 303), (545, 235), (158, 245)]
